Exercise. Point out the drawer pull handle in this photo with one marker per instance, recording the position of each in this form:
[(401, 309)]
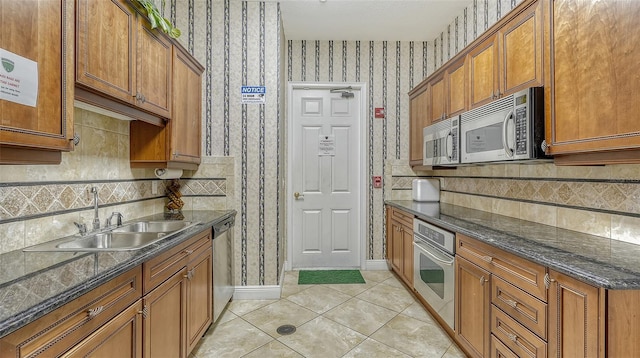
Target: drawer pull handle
[(511, 303), (483, 280), (95, 311), (512, 336), (488, 259), (188, 252)]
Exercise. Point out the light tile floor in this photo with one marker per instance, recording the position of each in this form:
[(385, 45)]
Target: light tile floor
[(377, 319)]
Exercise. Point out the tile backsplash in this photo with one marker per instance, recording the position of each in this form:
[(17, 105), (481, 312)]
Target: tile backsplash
[(598, 200), (39, 203)]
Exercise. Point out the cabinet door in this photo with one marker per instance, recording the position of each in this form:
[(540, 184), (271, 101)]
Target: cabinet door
[(437, 110), (164, 325), (521, 51), (105, 48), (418, 109), (472, 304), (407, 254), (456, 88), (397, 249), (121, 337), (483, 72), (37, 31), (574, 312), (153, 73), (199, 296), (185, 123), (595, 99)]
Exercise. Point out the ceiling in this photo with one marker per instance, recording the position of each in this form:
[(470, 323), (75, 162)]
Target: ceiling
[(368, 20)]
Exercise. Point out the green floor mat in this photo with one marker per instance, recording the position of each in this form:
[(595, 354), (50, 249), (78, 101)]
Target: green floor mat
[(312, 277)]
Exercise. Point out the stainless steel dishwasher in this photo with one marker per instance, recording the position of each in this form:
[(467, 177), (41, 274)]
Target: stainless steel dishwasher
[(223, 277)]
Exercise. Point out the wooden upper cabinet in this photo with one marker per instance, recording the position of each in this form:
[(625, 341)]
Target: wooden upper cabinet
[(521, 41), (153, 76), (105, 48), (185, 122), (418, 119), (437, 108), (483, 72), (37, 31), (121, 64), (178, 143), (509, 59), (455, 96), (594, 102)]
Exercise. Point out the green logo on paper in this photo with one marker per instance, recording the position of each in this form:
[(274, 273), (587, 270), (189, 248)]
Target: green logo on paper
[(7, 64)]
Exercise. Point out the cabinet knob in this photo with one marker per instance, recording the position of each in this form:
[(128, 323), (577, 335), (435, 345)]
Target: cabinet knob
[(512, 336), (488, 259), (483, 280)]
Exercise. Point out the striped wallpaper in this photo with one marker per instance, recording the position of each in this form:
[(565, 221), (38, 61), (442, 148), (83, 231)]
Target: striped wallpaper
[(242, 43)]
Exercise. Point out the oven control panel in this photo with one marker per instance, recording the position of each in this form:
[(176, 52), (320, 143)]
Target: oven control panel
[(434, 235)]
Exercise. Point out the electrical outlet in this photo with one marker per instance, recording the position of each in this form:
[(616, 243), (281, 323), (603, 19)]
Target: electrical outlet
[(154, 187)]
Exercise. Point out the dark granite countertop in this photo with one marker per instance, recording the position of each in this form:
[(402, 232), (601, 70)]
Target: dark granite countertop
[(33, 284), (596, 260)]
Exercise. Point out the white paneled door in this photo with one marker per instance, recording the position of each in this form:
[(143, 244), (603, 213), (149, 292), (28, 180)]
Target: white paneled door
[(325, 178)]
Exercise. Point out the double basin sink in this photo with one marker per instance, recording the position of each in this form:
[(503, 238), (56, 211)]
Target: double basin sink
[(131, 236)]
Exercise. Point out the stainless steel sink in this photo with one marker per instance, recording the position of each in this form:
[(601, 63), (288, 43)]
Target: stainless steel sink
[(153, 226), (112, 240), (131, 236)]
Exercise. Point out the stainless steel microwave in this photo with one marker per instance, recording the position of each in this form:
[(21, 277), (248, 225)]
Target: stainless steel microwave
[(508, 129), (441, 142)]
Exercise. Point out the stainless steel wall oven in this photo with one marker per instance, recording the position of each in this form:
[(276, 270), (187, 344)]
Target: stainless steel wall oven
[(433, 272)]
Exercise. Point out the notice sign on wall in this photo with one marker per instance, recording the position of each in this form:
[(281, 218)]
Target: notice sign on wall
[(253, 94), (18, 79), (327, 145)]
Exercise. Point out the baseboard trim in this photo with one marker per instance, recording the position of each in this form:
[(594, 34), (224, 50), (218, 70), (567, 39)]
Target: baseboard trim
[(376, 265), (270, 292)]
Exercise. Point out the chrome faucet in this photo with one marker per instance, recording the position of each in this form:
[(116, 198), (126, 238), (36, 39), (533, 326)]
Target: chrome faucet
[(96, 219), (118, 219)]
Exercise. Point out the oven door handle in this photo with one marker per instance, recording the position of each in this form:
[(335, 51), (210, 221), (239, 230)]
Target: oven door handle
[(427, 251)]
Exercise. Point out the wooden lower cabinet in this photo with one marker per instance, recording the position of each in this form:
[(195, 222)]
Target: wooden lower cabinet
[(199, 300), (472, 306), (574, 318), (164, 318), (158, 309), (400, 244), (121, 337), (60, 330)]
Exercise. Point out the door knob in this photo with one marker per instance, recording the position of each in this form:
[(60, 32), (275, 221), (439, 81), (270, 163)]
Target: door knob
[(298, 196)]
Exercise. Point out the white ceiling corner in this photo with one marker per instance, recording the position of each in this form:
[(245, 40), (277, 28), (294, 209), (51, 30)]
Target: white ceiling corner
[(368, 20)]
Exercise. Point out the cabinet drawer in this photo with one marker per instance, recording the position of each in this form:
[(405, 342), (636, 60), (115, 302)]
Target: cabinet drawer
[(520, 272), (515, 336), (163, 266), (524, 308), (63, 328), (499, 350), (402, 217)]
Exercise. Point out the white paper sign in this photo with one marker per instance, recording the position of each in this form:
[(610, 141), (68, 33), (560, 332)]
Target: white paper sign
[(327, 144), (253, 94), (18, 79)]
